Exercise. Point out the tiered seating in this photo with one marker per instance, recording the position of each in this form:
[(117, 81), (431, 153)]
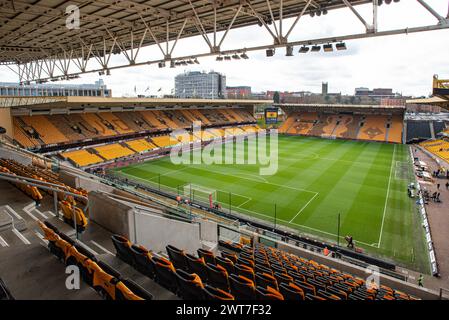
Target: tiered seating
[(164, 141), (374, 128), (31, 191), (48, 133), (247, 273), (396, 127), (303, 123), (438, 147), (351, 125), (104, 279), (113, 151), (325, 125), (99, 126), (82, 157), (42, 175), (140, 145), (114, 123)]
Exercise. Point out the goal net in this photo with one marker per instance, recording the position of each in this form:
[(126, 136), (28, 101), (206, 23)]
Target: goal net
[(199, 193)]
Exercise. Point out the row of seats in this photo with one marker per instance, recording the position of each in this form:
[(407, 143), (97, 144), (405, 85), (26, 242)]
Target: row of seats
[(439, 147), (39, 130), (246, 273), (92, 156), (44, 175), (70, 211), (360, 127), (30, 191), (95, 273)]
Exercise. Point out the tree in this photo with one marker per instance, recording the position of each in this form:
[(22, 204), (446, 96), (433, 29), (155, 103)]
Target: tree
[(276, 97)]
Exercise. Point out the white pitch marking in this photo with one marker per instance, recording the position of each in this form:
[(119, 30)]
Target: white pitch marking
[(303, 207), (386, 199)]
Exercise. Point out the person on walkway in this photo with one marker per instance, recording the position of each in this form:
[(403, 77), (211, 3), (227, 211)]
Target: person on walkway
[(438, 186), (420, 280), (447, 185)]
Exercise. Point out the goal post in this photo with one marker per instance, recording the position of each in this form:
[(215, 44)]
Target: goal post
[(199, 193)]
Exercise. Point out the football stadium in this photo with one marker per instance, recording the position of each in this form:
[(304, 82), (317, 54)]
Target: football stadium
[(212, 198)]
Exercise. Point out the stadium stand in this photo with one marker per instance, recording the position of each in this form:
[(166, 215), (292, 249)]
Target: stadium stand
[(113, 151), (43, 130), (82, 157), (438, 147), (140, 145), (245, 272), (395, 130), (373, 128)]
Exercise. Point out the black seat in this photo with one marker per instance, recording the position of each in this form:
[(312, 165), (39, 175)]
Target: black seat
[(217, 276), (211, 293), (225, 263), (245, 271), (265, 280), (230, 256), (123, 248), (190, 286), (262, 269), (109, 270), (165, 273), (137, 290), (242, 288), (291, 291), (197, 265), (5, 294), (52, 227), (208, 256), (177, 257), (268, 294), (141, 260), (283, 278)]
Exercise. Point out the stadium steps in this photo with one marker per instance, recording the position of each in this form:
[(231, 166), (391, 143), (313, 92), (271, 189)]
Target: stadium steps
[(387, 129), (10, 219)]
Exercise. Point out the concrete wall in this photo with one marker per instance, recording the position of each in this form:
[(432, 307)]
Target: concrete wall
[(6, 121), (156, 232), (110, 214), (83, 182), (8, 154)]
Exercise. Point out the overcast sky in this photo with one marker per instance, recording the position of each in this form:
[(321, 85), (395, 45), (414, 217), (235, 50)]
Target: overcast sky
[(405, 63)]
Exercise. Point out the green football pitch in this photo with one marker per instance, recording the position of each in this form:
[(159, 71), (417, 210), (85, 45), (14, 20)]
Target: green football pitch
[(365, 183)]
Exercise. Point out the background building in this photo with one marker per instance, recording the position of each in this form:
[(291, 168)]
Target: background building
[(98, 89), (197, 84), (239, 92)]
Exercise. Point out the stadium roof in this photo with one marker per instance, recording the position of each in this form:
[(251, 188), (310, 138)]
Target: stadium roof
[(339, 106), (43, 39), (73, 102), (33, 30)]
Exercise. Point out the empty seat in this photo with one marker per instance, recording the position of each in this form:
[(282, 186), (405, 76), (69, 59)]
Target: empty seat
[(262, 269), (242, 288), (217, 276), (265, 280), (123, 248), (268, 294), (197, 265), (177, 257), (225, 263), (138, 293), (165, 273), (190, 286), (212, 293), (291, 291), (208, 256), (141, 260), (283, 278), (245, 271), (231, 256)]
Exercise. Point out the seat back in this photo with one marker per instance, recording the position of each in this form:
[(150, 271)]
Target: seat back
[(165, 273), (190, 286), (291, 291), (177, 257), (268, 294), (197, 265), (123, 248), (208, 256), (212, 293), (137, 290), (245, 271), (217, 276), (225, 263), (242, 288), (265, 280), (141, 260)]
